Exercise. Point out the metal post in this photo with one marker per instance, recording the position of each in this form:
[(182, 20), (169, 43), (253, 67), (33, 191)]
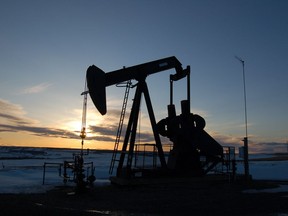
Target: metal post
[(188, 87), (171, 91), (245, 140)]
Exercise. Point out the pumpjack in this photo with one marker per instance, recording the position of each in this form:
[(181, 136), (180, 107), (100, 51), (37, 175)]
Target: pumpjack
[(194, 151)]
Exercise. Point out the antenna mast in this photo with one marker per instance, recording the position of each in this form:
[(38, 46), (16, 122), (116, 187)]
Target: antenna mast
[(245, 140)]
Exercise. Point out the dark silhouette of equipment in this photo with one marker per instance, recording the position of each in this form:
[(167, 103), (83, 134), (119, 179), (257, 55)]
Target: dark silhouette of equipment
[(194, 151)]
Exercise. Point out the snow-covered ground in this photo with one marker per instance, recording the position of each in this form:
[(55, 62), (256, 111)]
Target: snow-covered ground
[(22, 169)]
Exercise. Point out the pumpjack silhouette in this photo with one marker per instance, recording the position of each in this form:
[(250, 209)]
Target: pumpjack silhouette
[(194, 151)]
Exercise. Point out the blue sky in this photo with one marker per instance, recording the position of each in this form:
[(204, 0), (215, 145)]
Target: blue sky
[(46, 47)]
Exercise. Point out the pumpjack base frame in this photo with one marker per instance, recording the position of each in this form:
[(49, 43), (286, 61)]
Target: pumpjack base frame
[(207, 179)]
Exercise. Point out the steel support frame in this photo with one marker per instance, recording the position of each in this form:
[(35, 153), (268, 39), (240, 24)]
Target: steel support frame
[(132, 129)]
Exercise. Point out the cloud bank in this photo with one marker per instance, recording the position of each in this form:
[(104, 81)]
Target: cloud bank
[(14, 120)]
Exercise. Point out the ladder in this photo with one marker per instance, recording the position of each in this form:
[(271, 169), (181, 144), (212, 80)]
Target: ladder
[(120, 125)]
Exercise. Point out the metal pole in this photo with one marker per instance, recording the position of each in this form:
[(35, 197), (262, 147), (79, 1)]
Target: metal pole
[(245, 140), (171, 91), (188, 88)]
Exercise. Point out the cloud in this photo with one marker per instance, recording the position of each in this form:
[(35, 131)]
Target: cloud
[(12, 113), (104, 130), (6, 106), (38, 131), (36, 89), (108, 132), (269, 147), (13, 119), (253, 145)]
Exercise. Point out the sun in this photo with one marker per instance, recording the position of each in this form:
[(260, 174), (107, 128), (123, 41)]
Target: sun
[(73, 126)]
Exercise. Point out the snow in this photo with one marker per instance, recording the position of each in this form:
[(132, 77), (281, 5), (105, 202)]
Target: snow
[(281, 188), (21, 169), (266, 170)]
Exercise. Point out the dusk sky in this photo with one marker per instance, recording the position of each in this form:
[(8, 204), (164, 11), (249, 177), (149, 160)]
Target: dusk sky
[(47, 46)]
